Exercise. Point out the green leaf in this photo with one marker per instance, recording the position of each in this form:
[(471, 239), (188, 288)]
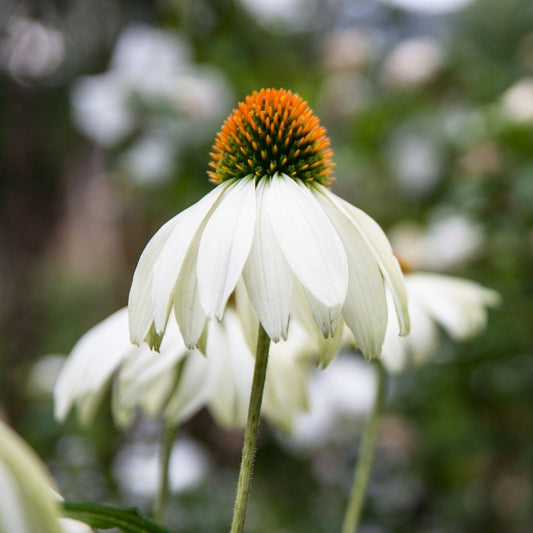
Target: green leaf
[(105, 517)]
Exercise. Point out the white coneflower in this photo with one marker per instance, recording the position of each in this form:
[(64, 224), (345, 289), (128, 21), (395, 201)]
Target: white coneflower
[(105, 351), (459, 306), (176, 383), (273, 222)]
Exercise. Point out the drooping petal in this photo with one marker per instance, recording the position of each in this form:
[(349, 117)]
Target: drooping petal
[(170, 260), (398, 352), (302, 317), (326, 318), (192, 389), (286, 382), (85, 376), (267, 275), (158, 268), (379, 244), (328, 348), (146, 379), (247, 314), (308, 240), (225, 245), (187, 307), (458, 305), (231, 366), (365, 307), (140, 302)]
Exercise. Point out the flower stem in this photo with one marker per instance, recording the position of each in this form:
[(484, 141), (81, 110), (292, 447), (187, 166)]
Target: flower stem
[(169, 434), (366, 456), (250, 434)]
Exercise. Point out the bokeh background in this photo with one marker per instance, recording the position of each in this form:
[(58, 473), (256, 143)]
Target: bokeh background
[(108, 110)]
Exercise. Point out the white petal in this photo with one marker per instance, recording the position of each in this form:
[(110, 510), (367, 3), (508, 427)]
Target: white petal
[(192, 390), (267, 275), (140, 302), (308, 240), (27, 504), (398, 352), (86, 373), (187, 308), (326, 318), (458, 305), (365, 308), (231, 370), (286, 382), (159, 267), (302, 317), (423, 337), (329, 348), (146, 379), (172, 255), (379, 244), (247, 315), (225, 245)]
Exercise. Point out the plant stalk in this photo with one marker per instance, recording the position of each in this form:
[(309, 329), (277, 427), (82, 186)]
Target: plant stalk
[(169, 434), (251, 431), (366, 457)]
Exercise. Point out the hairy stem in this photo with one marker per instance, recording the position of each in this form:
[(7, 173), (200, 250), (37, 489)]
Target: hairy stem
[(250, 434)]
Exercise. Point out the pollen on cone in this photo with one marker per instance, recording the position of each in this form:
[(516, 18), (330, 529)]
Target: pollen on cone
[(272, 131)]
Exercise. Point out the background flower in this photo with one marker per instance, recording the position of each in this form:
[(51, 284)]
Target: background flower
[(459, 306), (176, 383)]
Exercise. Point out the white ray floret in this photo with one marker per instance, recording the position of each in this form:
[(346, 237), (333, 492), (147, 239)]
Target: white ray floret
[(271, 233), (459, 306)]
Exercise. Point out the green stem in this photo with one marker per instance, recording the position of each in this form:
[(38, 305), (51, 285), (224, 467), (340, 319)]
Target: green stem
[(169, 434), (366, 456), (250, 434)]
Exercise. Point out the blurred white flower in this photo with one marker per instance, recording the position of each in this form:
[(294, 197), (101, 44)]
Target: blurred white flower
[(457, 305), (151, 158), (28, 503), (30, 49), (137, 468), (412, 63), (100, 108), (429, 6), (339, 399), (176, 383), (43, 375), (347, 49), (95, 358), (154, 91), (147, 59), (280, 15), (430, 248), (517, 101), (345, 93), (415, 161)]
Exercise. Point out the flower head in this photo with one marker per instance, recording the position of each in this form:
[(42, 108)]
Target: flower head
[(272, 132), (272, 223)]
